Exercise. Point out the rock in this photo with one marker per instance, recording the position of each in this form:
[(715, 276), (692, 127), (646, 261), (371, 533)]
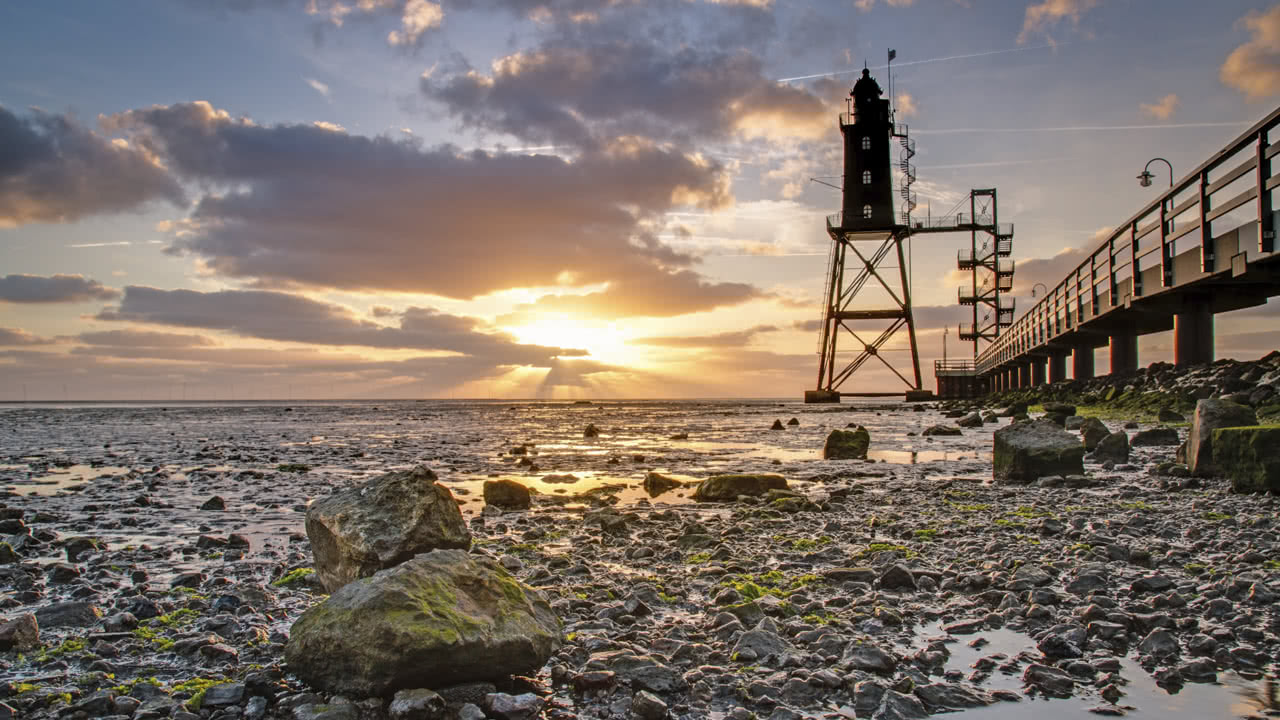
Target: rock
[(68, 614), (1155, 437), (223, 695), (21, 633), (897, 577), (794, 422), (847, 444), (642, 672), (76, 546), (382, 523), (320, 712), (506, 494), (869, 658), (761, 642), (1166, 415), (1073, 422), (942, 430), (416, 704), (947, 696), (214, 503), (972, 420), (1159, 644), (1212, 415), (525, 706), (590, 431), (729, 487), (1057, 408), (1092, 432), (1029, 450), (656, 483), (1150, 584), (850, 574), (1249, 456), (443, 617), (648, 706), (897, 706), (777, 425), (1114, 448), (1049, 680)]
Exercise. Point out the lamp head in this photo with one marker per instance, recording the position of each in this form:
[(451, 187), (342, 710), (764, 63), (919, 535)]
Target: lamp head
[(1145, 178)]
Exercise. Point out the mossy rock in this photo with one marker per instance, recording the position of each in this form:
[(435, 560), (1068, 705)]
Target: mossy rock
[(1249, 456), (1026, 451), (847, 444), (729, 487), (443, 618)]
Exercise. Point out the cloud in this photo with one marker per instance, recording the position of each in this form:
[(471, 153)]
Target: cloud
[(734, 339), (298, 204), (52, 169), (10, 337), (53, 289), (1043, 16), (142, 339), (1254, 67), (418, 17), (906, 105), (318, 86), (865, 5), (583, 93), (657, 293), (286, 317), (1162, 109)]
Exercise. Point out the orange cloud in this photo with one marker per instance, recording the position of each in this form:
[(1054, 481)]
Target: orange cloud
[(1254, 67)]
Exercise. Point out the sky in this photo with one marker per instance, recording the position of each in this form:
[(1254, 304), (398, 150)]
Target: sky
[(274, 199)]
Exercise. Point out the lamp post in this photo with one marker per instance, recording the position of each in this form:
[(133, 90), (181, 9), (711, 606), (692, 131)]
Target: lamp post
[(1145, 178)]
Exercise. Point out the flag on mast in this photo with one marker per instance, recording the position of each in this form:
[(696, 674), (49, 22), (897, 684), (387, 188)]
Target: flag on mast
[(892, 54)]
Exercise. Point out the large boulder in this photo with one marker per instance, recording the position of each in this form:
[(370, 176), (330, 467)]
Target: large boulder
[(1092, 432), (1026, 451), (972, 420), (439, 619), (1114, 447), (729, 487), (1211, 415), (382, 523), (507, 494), (1155, 437), (847, 444), (1250, 456), (656, 483)]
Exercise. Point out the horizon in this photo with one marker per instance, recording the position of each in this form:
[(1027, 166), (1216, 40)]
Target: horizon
[(556, 201)]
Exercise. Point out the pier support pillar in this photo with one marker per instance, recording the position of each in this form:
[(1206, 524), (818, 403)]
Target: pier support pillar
[(1082, 362), (1057, 367), (1024, 375), (1124, 353), (1193, 333), (1037, 372), (996, 385)]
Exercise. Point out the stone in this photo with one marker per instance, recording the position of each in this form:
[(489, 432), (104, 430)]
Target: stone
[(648, 706), (214, 503), (850, 574), (777, 425), (642, 672), (443, 617), (381, 523), (1155, 437), (972, 420), (316, 711), (590, 431), (1159, 644), (1029, 450), (223, 695), (729, 487), (847, 444), (68, 614), (897, 577), (1113, 448), (942, 431), (506, 494), (525, 706), (897, 706), (761, 642), (21, 633), (1210, 415), (1092, 432), (1049, 680), (1169, 416), (869, 658), (1249, 456), (656, 483), (947, 696), (1073, 422), (794, 422), (76, 546), (1057, 408)]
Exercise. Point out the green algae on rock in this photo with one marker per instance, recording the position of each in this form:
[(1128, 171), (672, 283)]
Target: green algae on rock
[(847, 444), (729, 487), (1249, 456), (442, 618), (382, 523)]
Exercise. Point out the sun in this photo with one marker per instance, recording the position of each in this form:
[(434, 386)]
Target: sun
[(605, 341)]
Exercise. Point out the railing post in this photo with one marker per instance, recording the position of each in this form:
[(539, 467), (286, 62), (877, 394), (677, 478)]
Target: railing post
[(1166, 256), (1266, 220), (1135, 277), (1206, 232)]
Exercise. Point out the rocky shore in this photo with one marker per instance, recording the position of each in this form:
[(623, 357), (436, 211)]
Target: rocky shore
[(191, 581)]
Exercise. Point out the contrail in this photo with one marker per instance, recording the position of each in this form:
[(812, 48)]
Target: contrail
[(922, 62), (1081, 128)]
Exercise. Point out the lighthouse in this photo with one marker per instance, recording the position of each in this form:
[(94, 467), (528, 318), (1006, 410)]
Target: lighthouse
[(868, 176)]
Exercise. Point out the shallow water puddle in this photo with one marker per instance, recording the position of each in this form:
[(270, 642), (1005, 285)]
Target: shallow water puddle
[(63, 479)]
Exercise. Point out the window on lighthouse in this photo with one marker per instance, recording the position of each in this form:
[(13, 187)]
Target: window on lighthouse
[(866, 177), (866, 212), (866, 142)]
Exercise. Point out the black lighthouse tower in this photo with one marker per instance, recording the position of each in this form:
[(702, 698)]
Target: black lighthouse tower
[(866, 303), (868, 177)]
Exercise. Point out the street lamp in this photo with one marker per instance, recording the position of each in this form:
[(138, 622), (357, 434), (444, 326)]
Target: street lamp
[(1145, 178), (1041, 285)]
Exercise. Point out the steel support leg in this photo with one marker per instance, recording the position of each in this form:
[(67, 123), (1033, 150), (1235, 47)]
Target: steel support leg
[(1057, 367), (1024, 375), (1124, 353), (1193, 334), (1082, 362), (1037, 372)]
